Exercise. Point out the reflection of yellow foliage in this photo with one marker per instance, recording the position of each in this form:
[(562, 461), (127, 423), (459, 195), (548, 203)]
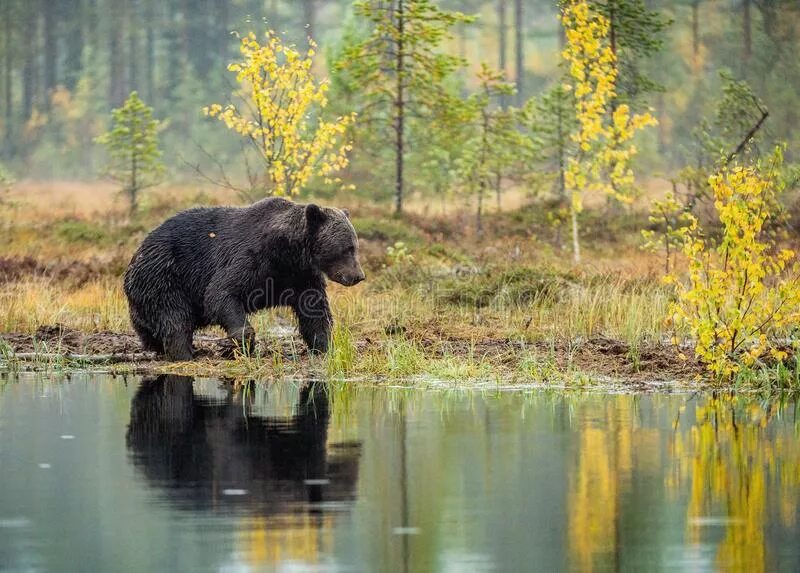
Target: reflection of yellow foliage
[(605, 459), (593, 507), (736, 461), (272, 540)]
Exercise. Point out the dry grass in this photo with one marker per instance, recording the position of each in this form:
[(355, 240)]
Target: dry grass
[(97, 305), (630, 312)]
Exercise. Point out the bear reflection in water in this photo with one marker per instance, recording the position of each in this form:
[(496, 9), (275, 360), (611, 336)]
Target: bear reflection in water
[(208, 453)]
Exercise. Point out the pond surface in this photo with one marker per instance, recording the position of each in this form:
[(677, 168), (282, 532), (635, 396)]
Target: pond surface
[(175, 474)]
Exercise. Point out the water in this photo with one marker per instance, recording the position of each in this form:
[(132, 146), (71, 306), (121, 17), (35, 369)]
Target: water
[(174, 474)]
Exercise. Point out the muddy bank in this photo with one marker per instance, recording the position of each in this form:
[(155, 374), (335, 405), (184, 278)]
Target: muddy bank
[(599, 356), (61, 340)]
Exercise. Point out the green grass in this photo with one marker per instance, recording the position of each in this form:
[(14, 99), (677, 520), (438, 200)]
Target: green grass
[(778, 377), (342, 356)]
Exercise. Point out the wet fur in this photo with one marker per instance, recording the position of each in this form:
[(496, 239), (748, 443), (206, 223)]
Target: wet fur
[(213, 266)]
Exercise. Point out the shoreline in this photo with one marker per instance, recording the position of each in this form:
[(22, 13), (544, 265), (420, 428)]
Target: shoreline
[(411, 357)]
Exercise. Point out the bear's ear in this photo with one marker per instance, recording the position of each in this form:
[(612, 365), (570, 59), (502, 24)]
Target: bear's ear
[(315, 216), (346, 213)]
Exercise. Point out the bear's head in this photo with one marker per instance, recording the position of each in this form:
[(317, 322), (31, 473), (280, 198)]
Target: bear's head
[(333, 245)]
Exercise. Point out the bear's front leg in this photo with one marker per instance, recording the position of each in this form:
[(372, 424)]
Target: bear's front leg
[(314, 319), (243, 336)]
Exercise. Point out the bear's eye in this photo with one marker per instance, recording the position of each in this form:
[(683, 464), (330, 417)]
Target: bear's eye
[(350, 251)]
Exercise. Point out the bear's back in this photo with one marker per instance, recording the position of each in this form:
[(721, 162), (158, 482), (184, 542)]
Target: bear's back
[(195, 243)]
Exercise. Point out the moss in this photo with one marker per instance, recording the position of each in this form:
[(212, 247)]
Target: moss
[(76, 231), (386, 229)]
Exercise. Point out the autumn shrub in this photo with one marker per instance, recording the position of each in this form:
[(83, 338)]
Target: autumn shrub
[(278, 109), (741, 299)]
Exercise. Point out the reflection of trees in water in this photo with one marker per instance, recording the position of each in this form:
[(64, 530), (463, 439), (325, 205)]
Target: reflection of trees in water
[(604, 452), (735, 458), (197, 450), (741, 460)]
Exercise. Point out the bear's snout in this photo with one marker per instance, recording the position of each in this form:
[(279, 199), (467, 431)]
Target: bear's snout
[(352, 279), (348, 277)]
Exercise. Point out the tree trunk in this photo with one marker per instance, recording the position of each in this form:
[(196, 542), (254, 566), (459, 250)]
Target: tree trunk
[(133, 44), (576, 245), (612, 28), (50, 55), (73, 38), (561, 137), (150, 52), (502, 37), (30, 70), (612, 40), (662, 128), (399, 107), (90, 17), (562, 181), (309, 17), (696, 36), (222, 19), (135, 128), (134, 190), (479, 214), (7, 79), (184, 31), (172, 39), (91, 39), (520, 51), (498, 185), (748, 41), (116, 82), (482, 170)]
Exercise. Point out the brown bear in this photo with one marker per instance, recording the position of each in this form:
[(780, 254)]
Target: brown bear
[(214, 266)]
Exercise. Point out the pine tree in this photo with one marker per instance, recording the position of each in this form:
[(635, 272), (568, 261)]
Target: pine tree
[(132, 143), (493, 143), (399, 69), (634, 34), (550, 122)]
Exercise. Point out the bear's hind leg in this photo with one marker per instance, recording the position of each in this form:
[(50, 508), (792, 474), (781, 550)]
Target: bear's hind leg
[(175, 329), (146, 336), (230, 314), (178, 345)]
